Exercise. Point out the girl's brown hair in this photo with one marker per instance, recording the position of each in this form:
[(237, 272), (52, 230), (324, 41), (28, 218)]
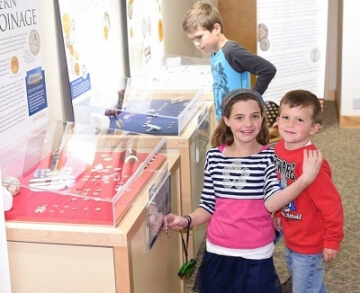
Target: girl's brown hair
[(223, 134)]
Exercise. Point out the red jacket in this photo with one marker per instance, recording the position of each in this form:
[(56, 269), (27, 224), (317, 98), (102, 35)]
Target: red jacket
[(315, 219)]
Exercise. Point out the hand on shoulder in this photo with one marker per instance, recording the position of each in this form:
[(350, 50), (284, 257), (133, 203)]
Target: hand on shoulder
[(311, 165)]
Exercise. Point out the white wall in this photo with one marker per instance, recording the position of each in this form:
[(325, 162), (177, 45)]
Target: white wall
[(332, 51), (350, 76), (176, 42)]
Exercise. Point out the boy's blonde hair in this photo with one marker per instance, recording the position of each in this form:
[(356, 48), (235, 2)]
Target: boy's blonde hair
[(201, 14), (303, 98)]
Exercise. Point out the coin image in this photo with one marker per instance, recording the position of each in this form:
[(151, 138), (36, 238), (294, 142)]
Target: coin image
[(106, 33), (77, 68), (264, 44), (107, 25), (14, 64), (144, 28), (263, 32), (130, 9), (34, 42), (160, 30), (107, 22), (66, 23), (315, 55)]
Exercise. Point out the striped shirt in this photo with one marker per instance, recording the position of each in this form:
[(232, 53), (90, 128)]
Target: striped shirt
[(234, 192)]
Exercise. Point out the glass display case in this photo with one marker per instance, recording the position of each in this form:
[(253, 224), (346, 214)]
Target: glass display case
[(190, 72), (192, 144), (80, 174), (144, 108)]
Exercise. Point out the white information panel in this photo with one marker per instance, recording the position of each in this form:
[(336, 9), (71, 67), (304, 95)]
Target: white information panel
[(93, 48), (23, 100), (292, 35), (145, 35)]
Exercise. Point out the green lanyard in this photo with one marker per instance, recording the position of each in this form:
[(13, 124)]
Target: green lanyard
[(188, 267)]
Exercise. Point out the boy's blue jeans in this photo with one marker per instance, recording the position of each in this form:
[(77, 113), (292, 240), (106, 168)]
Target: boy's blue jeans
[(305, 272)]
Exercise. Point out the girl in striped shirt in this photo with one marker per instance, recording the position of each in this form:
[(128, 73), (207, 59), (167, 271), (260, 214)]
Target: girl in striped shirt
[(240, 192)]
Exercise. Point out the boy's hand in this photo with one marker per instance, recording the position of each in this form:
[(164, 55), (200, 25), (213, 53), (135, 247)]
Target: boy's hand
[(311, 164), (330, 254)]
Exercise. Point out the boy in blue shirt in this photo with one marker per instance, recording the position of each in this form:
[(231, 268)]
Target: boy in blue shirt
[(231, 64)]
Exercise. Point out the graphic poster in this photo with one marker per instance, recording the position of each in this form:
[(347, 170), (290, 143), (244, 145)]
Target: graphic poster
[(145, 35), (93, 48), (293, 35), (23, 99)]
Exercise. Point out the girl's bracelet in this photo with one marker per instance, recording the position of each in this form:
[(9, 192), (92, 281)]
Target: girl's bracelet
[(189, 219)]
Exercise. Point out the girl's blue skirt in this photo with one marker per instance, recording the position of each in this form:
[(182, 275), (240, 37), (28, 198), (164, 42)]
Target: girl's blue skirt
[(228, 274)]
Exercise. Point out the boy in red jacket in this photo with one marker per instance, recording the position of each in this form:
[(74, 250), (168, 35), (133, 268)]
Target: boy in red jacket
[(312, 224)]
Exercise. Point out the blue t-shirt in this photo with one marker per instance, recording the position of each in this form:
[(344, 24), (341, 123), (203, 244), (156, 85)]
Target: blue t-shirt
[(231, 67)]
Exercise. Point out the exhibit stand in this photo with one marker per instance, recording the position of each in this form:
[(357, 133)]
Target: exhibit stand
[(90, 209), (162, 108)]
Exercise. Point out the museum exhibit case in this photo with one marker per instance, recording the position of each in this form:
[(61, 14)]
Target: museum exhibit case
[(189, 72), (89, 214), (143, 108), (179, 114)]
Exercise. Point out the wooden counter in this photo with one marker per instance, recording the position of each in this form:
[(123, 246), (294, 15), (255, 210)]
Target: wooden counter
[(60, 258)]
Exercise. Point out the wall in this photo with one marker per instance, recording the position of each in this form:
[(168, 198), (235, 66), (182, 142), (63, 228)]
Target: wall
[(340, 83), (239, 19), (350, 63), (331, 74)]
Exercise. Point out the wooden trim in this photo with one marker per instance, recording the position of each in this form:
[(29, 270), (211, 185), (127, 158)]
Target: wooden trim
[(331, 95), (239, 24), (349, 122)]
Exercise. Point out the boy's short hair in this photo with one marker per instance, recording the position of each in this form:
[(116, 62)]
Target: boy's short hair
[(201, 14), (303, 98)]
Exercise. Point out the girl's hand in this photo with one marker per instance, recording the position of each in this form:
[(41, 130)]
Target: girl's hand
[(311, 165), (277, 223), (174, 222)]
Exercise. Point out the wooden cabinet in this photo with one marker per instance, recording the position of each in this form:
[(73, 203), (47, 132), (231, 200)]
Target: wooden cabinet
[(58, 258)]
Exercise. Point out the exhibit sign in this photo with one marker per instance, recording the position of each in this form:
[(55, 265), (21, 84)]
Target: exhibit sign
[(158, 207), (293, 36), (23, 99), (93, 49), (145, 31)]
